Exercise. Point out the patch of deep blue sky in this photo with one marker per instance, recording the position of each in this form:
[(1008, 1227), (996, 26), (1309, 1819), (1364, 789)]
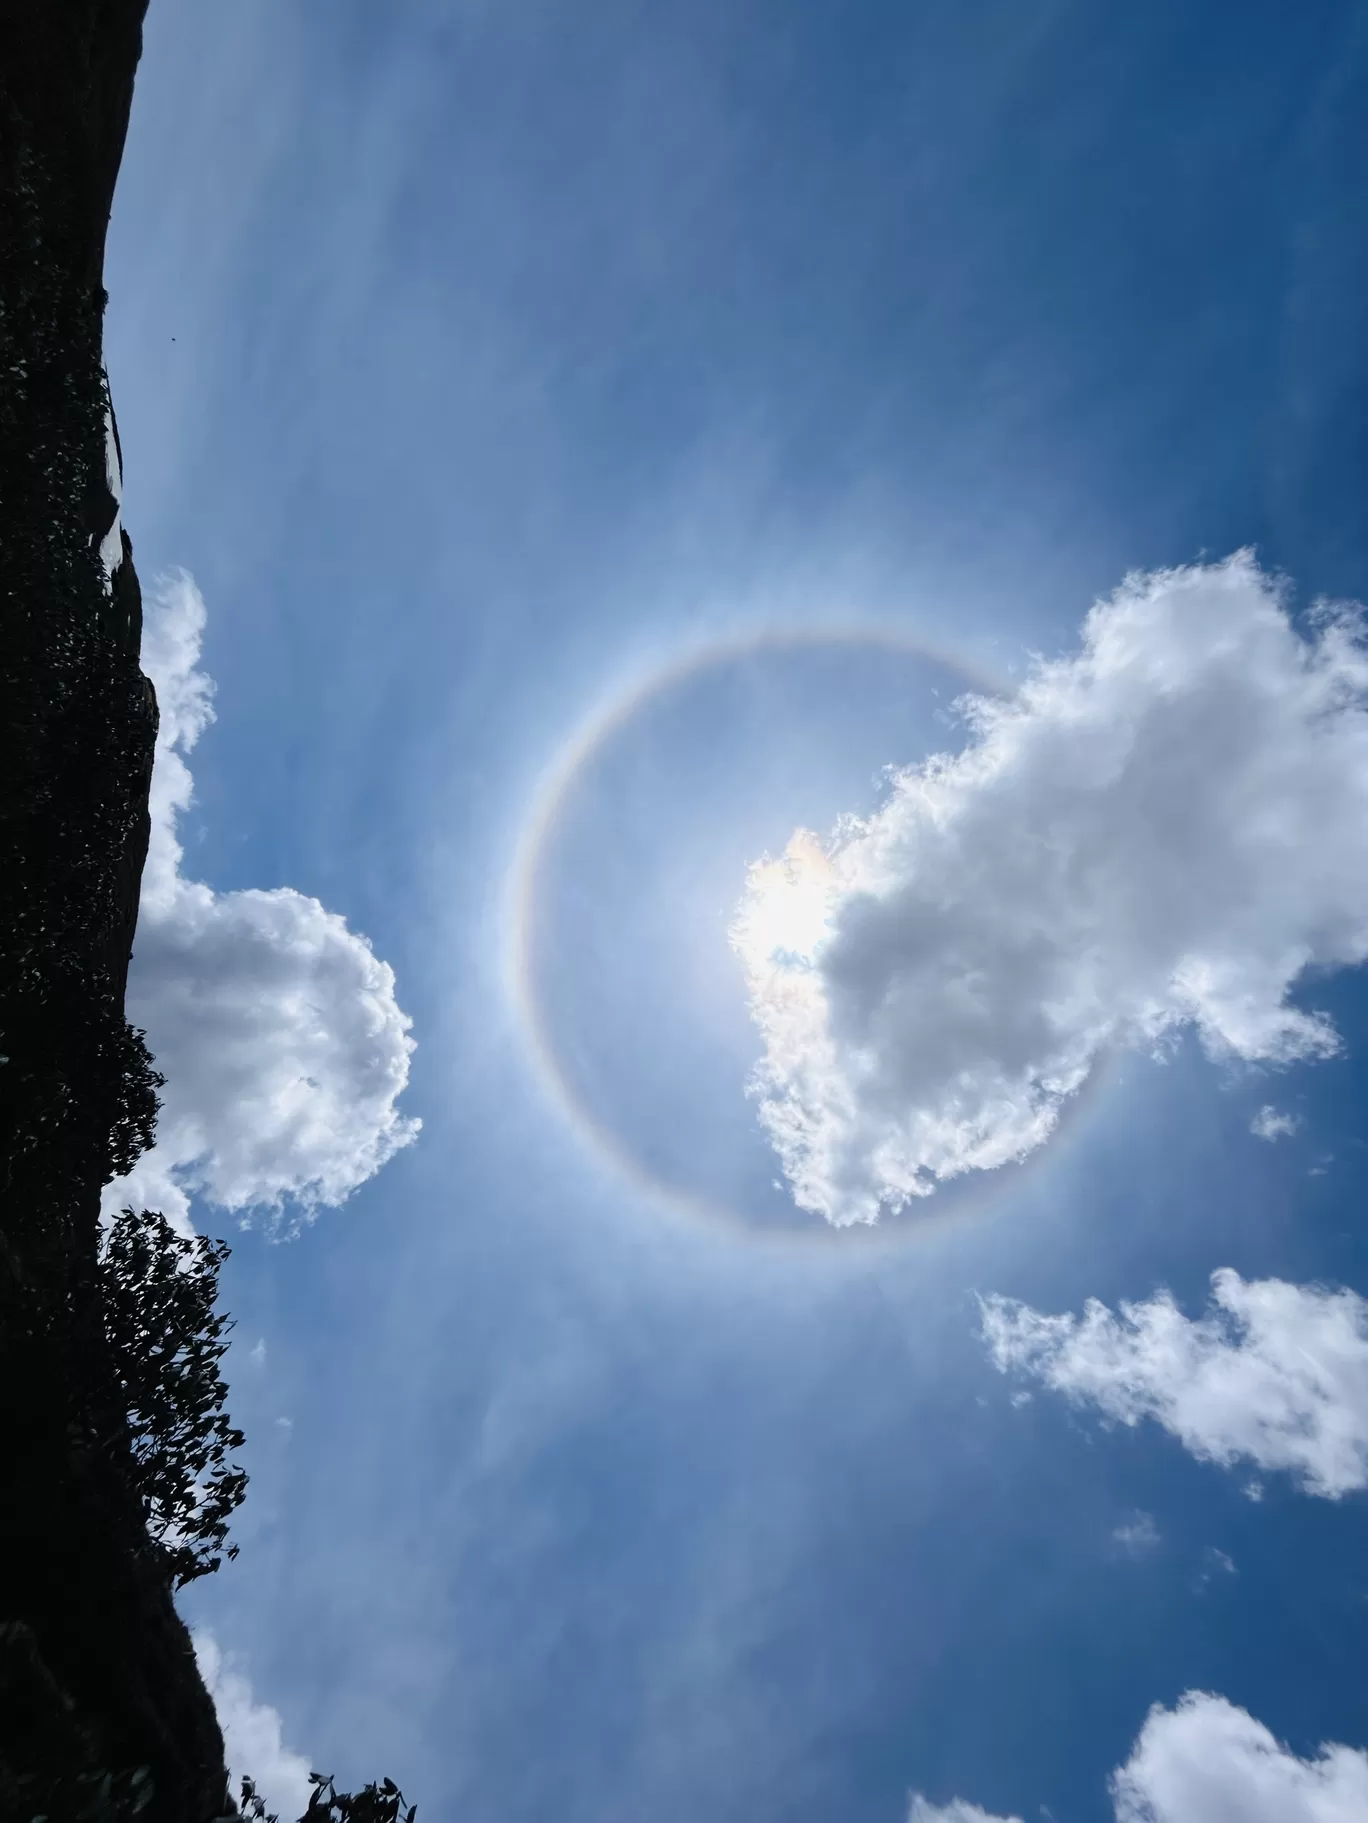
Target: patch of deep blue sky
[(517, 347)]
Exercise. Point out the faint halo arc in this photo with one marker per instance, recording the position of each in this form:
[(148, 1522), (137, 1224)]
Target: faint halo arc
[(557, 782)]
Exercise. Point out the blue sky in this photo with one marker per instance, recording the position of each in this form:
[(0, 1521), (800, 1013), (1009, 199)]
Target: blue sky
[(736, 383)]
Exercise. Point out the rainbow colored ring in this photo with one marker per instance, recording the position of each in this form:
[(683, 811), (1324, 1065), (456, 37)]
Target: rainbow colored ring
[(554, 789)]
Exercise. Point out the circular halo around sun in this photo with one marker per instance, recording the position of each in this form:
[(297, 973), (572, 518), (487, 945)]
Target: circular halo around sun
[(553, 854)]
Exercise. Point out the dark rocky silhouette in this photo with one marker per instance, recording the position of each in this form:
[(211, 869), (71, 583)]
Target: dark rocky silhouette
[(103, 1713), (102, 1710)]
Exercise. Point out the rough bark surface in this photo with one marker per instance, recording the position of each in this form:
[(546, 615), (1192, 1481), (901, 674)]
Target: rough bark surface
[(102, 1710)]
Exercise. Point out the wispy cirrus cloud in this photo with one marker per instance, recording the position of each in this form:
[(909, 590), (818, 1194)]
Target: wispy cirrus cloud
[(1163, 830)]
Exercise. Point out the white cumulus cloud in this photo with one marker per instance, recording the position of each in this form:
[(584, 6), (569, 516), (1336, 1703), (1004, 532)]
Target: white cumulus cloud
[(1207, 1761), (252, 1734), (1165, 829), (1272, 1374), (276, 1026)]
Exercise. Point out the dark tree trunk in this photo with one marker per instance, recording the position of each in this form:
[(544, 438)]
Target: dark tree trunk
[(97, 1675)]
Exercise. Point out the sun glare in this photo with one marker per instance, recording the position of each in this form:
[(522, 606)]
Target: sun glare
[(785, 913)]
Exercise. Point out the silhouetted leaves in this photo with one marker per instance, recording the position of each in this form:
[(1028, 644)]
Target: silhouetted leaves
[(167, 1340), (382, 1803), (133, 1127)]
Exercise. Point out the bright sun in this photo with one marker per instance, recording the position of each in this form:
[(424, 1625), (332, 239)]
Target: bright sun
[(785, 913)]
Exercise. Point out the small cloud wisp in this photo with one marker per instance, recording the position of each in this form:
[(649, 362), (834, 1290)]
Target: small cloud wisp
[(1272, 1125)]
